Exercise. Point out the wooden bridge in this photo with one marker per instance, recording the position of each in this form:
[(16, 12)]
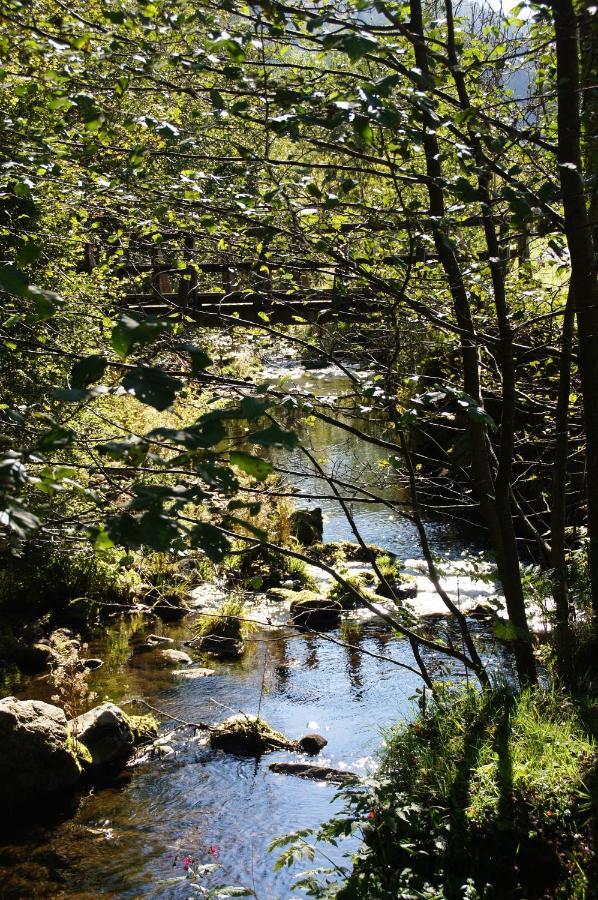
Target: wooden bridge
[(249, 292), (216, 294)]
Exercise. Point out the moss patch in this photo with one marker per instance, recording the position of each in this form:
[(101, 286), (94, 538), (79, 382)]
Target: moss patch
[(143, 728)]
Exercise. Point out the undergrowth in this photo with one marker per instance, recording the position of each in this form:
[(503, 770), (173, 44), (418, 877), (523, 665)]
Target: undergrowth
[(482, 796)]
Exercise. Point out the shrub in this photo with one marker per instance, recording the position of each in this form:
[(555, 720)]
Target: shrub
[(267, 568)]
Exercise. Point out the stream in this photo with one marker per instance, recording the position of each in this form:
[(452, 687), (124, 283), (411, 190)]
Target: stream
[(128, 839)]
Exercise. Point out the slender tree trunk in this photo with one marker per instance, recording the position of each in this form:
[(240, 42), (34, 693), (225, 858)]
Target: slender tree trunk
[(496, 508), (578, 228), (558, 506)]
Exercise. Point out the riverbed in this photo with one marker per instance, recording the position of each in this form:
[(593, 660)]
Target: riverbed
[(132, 838)]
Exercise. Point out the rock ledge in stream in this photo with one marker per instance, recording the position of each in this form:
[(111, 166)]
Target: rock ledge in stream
[(36, 763), (315, 773)]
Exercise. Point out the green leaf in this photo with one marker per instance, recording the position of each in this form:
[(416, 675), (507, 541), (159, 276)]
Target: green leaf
[(200, 360), (478, 414), (251, 465), (152, 386), (274, 436), (153, 529), (86, 371), (363, 129), (354, 45), (252, 408), (204, 433), (55, 438), (18, 519), (505, 630), (12, 281), (135, 329), (28, 253), (132, 451), (211, 540)]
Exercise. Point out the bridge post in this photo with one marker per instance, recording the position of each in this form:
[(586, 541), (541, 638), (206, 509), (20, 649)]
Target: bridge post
[(160, 277), (229, 282), (188, 281)]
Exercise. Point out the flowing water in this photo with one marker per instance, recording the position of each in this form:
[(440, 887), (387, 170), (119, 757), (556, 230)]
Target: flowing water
[(129, 838)]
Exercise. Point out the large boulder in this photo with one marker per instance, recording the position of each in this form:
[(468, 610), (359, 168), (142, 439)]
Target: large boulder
[(108, 735), (36, 763), (310, 610), (307, 525)]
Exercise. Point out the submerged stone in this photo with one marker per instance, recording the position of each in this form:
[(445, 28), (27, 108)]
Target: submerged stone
[(220, 646), (194, 673), (176, 656), (315, 773)]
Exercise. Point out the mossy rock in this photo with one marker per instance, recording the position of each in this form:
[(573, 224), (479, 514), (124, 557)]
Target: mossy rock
[(285, 595), (32, 659), (347, 551), (307, 525), (311, 610), (143, 728), (37, 763), (107, 734), (221, 646), (270, 567), (345, 596), (404, 587), (247, 735)]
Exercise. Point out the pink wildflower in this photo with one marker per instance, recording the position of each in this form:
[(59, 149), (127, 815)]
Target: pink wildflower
[(214, 850), (187, 862)]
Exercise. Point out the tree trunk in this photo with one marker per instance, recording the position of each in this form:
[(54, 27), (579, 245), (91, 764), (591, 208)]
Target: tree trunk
[(578, 228), (496, 508), (558, 507)]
